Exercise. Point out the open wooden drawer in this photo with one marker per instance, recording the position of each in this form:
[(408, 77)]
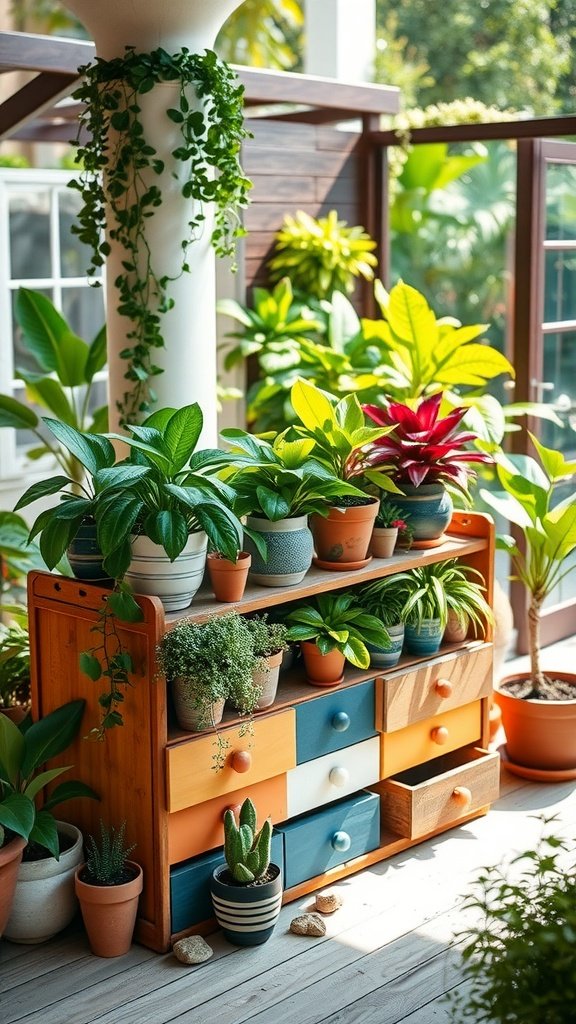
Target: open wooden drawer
[(435, 794)]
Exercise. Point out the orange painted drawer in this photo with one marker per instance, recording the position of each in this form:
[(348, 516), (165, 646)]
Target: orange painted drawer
[(423, 741), (197, 829), (439, 793), (439, 685), (271, 751)]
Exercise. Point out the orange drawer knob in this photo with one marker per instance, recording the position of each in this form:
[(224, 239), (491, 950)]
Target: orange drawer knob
[(241, 761), (462, 796), (235, 808), (439, 735), (443, 687)]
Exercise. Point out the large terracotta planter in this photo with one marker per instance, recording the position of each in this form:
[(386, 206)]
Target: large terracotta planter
[(227, 578), (428, 509), (109, 912), (10, 857), (342, 538), (322, 669), (44, 900), (247, 914), (16, 712), (540, 734)]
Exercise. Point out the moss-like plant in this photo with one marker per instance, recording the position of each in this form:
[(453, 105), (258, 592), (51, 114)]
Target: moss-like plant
[(118, 182), (268, 637)]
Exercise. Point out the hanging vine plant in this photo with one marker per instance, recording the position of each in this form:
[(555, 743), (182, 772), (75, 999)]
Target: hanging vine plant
[(120, 168)]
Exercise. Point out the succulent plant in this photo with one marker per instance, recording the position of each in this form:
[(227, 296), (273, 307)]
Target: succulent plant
[(247, 851)]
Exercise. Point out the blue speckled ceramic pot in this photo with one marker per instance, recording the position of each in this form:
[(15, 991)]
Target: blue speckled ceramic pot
[(428, 510), (290, 549), (424, 639), (387, 657)]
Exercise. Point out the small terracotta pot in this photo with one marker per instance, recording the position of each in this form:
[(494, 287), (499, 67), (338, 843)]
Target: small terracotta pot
[(16, 713), (383, 541), (10, 857), (109, 912), (540, 734), (228, 579), (343, 536), (322, 669)]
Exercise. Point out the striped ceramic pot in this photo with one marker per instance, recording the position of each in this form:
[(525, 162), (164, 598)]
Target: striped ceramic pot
[(424, 639), (428, 510), (246, 914), (85, 556), (151, 572), (387, 657)]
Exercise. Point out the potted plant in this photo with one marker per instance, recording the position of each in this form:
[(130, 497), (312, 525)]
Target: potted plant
[(426, 608), (228, 576), (44, 900), (163, 504), (518, 954), (108, 886), (467, 604), (340, 436), (247, 890), (386, 599), (208, 663), (270, 643), (538, 708), (278, 484), (14, 670), (424, 453), (389, 520), (333, 629)]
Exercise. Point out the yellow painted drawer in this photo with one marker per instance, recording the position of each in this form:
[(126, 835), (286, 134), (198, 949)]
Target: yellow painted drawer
[(196, 829), (332, 776), (270, 751), (440, 685), (423, 741), (439, 793)]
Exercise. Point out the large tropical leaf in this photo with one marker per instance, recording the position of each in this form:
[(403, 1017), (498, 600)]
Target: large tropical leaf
[(15, 414), (182, 433), (17, 813), (92, 453), (51, 735), (49, 338)]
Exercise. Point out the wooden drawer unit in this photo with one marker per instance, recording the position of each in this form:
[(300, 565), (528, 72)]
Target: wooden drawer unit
[(440, 685), (424, 741), (333, 776), (319, 841), (340, 719), (190, 901), (437, 794), (191, 779), (196, 829)]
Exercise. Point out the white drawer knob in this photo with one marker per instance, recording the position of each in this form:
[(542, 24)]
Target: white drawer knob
[(341, 842), (339, 776)]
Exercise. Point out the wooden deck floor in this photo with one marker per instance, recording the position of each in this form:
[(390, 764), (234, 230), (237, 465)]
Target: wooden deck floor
[(388, 954)]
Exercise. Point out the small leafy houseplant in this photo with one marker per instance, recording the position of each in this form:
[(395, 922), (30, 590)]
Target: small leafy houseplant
[(125, 179), (518, 954), (107, 857), (247, 880), (386, 599), (389, 521), (108, 886)]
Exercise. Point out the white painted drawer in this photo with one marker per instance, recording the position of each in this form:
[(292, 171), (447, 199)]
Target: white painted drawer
[(333, 776)]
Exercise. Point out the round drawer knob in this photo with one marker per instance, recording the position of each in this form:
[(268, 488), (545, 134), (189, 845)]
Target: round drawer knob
[(462, 797), (439, 735), (241, 761), (341, 842), (235, 808), (339, 776), (443, 687), (340, 721)]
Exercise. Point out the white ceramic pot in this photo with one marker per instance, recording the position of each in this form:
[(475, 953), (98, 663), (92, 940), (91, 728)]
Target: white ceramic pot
[(151, 572), (44, 898)]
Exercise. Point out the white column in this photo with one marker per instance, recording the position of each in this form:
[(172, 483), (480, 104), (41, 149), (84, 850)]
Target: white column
[(340, 39), (189, 329)]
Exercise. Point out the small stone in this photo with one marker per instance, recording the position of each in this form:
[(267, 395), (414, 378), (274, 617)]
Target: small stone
[(308, 924), (328, 902), (192, 950)]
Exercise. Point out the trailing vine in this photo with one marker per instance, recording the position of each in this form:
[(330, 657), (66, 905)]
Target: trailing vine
[(119, 170)]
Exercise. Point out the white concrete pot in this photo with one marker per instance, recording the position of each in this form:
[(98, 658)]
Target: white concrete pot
[(44, 899), (151, 572)]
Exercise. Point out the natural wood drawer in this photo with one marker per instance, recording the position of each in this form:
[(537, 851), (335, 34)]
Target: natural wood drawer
[(271, 751), (439, 685), (424, 741), (195, 829), (437, 794), (332, 776)]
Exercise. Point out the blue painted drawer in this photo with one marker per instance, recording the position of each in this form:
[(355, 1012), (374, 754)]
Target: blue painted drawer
[(190, 901), (339, 719), (315, 842)]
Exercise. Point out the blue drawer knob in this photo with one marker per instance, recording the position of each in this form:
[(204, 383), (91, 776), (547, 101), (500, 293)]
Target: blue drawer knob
[(340, 721), (341, 842)]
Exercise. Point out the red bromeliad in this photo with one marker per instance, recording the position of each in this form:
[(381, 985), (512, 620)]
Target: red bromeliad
[(422, 448)]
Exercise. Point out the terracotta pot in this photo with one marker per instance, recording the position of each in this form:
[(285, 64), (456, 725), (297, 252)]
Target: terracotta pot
[(267, 678), (10, 857), (540, 734), (456, 629), (228, 579), (343, 536), (383, 541), (109, 912), (322, 669)]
